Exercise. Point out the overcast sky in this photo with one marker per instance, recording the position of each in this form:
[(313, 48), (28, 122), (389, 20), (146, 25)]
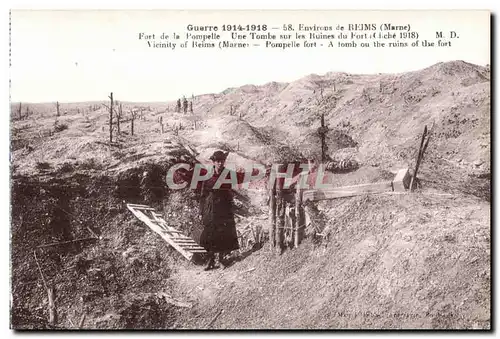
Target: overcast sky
[(83, 55)]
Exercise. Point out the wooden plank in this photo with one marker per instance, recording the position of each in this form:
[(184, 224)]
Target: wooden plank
[(347, 191), (186, 244), (52, 307), (190, 248), (141, 207), (82, 320), (172, 231), (158, 217)]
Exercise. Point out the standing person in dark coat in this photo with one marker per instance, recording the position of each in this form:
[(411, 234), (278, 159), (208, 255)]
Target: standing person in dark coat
[(219, 233)]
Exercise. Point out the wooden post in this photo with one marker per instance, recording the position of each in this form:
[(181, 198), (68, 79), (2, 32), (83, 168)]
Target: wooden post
[(118, 118), (111, 119), (20, 111), (272, 216), (52, 306), (419, 158), (57, 107), (298, 216), (280, 225)]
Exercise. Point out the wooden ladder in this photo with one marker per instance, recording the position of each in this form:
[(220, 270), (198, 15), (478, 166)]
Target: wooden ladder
[(182, 243)]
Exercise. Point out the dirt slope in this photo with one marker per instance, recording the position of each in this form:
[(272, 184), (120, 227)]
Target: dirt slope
[(419, 261)]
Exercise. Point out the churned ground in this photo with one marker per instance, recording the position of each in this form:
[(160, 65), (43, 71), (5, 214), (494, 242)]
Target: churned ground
[(419, 260), (391, 261)]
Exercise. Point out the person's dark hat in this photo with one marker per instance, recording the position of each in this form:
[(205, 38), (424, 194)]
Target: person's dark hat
[(218, 155)]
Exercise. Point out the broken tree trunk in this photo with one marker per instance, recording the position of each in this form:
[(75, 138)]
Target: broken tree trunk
[(132, 115), (111, 119), (118, 118), (322, 132), (419, 157)]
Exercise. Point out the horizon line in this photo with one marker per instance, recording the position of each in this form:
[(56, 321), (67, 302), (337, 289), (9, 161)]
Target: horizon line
[(236, 87)]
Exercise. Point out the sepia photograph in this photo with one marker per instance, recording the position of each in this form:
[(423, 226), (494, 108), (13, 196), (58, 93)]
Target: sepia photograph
[(250, 170)]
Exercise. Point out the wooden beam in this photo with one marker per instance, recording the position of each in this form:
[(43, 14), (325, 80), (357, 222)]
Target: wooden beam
[(419, 156), (272, 216), (192, 247), (298, 219), (52, 306), (347, 191), (142, 207), (280, 220)]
